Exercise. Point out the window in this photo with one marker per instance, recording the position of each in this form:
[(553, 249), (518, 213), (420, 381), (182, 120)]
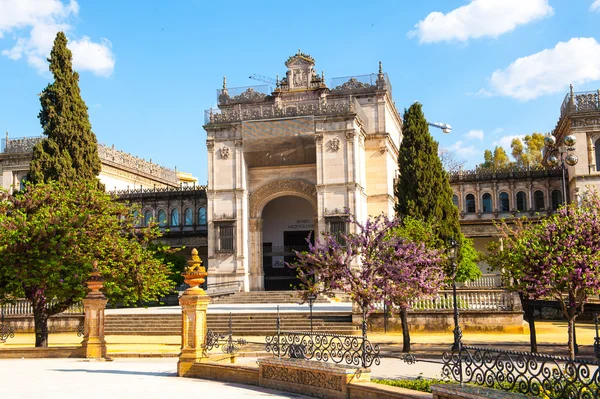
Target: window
[(521, 201), (455, 200), (175, 217), (188, 217), (162, 218), (22, 182), (597, 148), (538, 200), (136, 219), (147, 217), (225, 237), (486, 202), (337, 229), (470, 202), (557, 199), (202, 216), (504, 202)]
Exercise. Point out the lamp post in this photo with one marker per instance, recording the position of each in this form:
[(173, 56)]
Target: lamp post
[(564, 151), (311, 298), (452, 255), (568, 145), (446, 128)]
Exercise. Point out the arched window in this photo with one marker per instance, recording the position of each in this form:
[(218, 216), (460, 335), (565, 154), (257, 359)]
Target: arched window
[(188, 217), (147, 217), (136, 219), (538, 200), (175, 217), (470, 203), (504, 202), (597, 148), (162, 218), (521, 201), (557, 199), (202, 216), (486, 202), (455, 200), (22, 182)]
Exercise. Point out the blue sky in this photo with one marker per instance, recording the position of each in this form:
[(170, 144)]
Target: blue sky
[(493, 69)]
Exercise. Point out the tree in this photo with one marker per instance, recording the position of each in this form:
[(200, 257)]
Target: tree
[(69, 152), (423, 190), (496, 160), (560, 255), (529, 154), (372, 266), (449, 162), (50, 233)]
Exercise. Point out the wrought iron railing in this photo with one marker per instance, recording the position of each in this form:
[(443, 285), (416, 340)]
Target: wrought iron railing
[(524, 372), (6, 331), (582, 101), (349, 349), (224, 341)]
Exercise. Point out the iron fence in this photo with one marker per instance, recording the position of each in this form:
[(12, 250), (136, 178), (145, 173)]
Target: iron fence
[(226, 342), (349, 349)]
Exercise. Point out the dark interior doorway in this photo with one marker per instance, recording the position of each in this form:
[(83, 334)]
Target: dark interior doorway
[(278, 276)]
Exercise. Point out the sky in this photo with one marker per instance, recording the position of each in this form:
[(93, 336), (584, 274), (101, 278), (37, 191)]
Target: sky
[(493, 69)]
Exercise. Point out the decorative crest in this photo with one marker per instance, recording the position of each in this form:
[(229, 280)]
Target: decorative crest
[(302, 56)]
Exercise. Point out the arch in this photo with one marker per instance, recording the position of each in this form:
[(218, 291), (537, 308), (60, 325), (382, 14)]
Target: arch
[(521, 201), (504, 202), (470, 203), (597, 151), (147, 217), (162, 218), (175, 217), (538, 200), (557, 199), (486, 202), (188, 217), (455, 200), (279, 188), (202, 216)]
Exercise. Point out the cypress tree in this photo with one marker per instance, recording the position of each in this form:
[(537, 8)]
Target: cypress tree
[(423, 190), (69, 152)]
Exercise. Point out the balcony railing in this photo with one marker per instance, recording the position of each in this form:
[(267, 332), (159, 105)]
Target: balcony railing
[(581, 102), (474, 300), (504, 173), (243, 94)]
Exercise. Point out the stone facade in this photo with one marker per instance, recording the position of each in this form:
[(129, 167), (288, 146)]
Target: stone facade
[(120, 170), (335, 148)]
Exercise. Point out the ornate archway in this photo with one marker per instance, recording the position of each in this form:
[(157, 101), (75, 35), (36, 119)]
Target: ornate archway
[(258, 199)]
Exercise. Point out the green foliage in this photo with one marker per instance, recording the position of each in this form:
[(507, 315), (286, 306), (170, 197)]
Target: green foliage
[(69, 152), (468, 256), (496, 160), (530, 153), (167, 256), (423, 190), (420, 384), (51, 233)]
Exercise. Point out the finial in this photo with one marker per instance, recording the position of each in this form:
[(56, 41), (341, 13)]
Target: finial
[(95, 266), (571, 89), (276, 80), (194, 252), (299, 51), (380, 67), (224, 82), (323, 75)]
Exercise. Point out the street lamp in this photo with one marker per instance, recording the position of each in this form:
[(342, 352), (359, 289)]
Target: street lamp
[(565, 157), (446, 128), (452, 256)]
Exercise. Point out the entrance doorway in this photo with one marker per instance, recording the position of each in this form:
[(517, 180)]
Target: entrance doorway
[(288, 222)]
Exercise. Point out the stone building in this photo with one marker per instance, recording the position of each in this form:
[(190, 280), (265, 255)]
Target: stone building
[(120, 170), (291, 162)]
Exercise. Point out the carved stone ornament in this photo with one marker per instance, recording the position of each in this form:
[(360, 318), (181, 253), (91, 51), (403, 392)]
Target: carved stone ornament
[(210, 145), (353, 84), (223, 216), (585, 122), (278, 188), (248, 96), (334, 144), (224, 152), (318, 138)]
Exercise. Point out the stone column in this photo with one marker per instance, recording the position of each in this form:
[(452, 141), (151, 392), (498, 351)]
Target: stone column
[(194, 303), (93, 344)]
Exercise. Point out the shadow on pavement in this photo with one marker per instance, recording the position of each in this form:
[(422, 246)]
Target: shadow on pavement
[(124, 372)]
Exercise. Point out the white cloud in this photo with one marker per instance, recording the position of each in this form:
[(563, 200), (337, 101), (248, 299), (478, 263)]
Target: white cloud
[(480, 18), (43, 19), (595, 6), (474, 134), (498, 130), (463, 151), (505, 141), (549, 71)]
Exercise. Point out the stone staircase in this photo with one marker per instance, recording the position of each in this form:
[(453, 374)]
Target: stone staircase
[(257, 297), (243, 324)]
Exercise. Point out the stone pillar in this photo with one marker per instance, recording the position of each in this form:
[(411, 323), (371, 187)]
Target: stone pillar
[(93, 344), (194, 303)]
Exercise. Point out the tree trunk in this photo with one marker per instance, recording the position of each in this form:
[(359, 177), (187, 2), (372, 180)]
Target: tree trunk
[(40, 318), (405, 332), (571, 342), (528, 309)]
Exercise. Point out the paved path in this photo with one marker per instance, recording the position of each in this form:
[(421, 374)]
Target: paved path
[(120, 379)]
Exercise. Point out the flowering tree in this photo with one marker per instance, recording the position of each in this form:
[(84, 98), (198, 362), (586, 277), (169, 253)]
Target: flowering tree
[(371, 265), (559, 258), (51, 233)]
